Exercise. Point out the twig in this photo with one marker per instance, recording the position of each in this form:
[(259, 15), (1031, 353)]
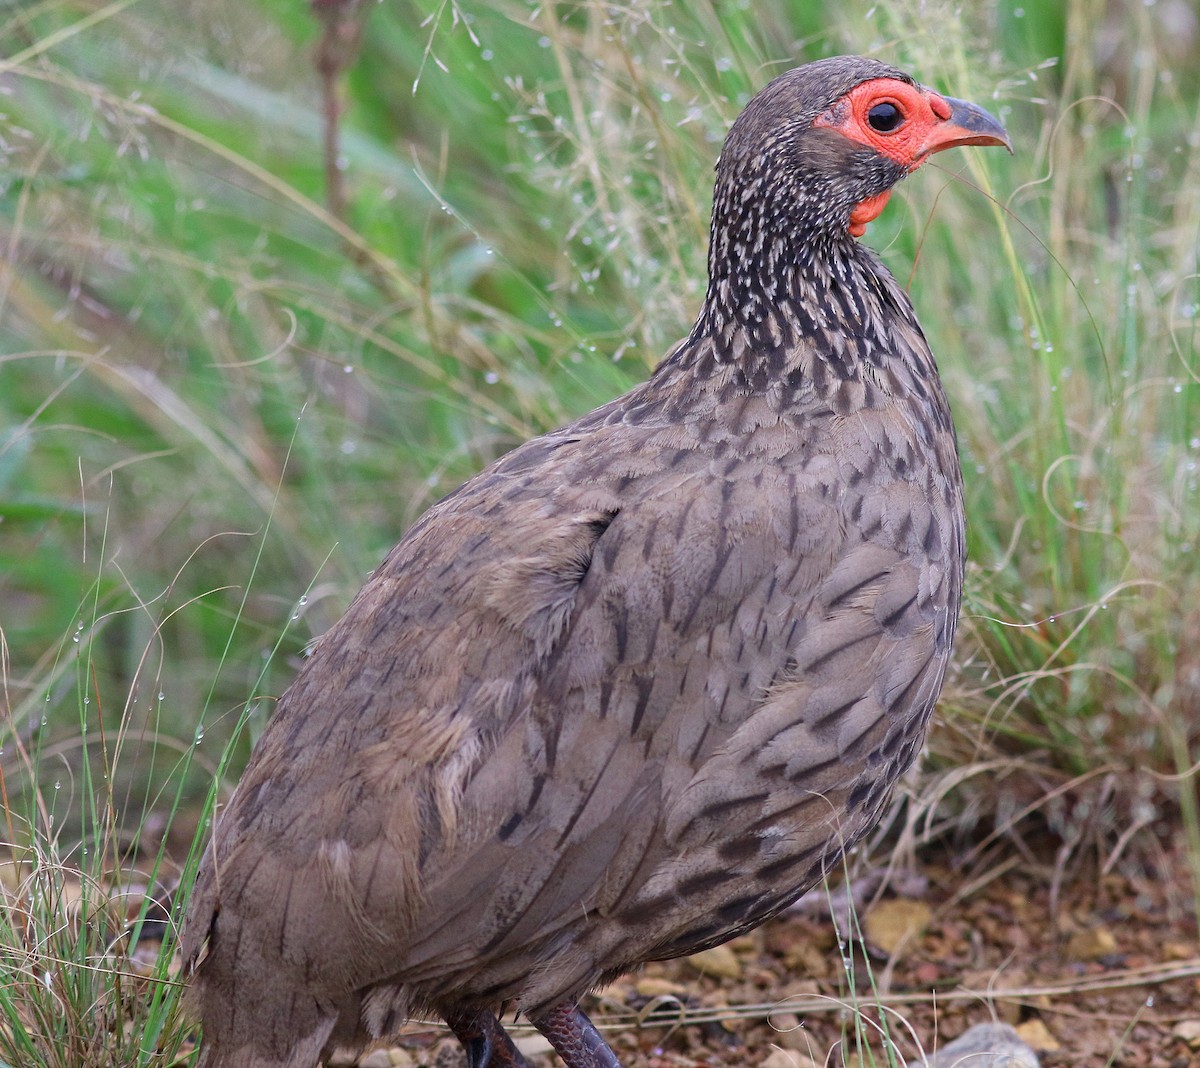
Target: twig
[(342, 25)]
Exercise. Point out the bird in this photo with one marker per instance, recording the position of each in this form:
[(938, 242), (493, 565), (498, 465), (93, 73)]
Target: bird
[(629, 691)]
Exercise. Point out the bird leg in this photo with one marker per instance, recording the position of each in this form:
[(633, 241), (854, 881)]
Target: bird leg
[(485, 1040), (575, 1038)]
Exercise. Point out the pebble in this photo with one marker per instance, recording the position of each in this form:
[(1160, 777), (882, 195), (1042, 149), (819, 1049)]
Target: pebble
[(892, 923), (383, 1058), (986, 1045), (1188, 1032), (1036, 1034), (1091, 944), (720, 961), (782, 1058), (532, 1045), (653, 986), (789, 1032)]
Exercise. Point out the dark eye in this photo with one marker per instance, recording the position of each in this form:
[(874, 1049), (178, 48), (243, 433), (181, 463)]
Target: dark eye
[(885, 117)]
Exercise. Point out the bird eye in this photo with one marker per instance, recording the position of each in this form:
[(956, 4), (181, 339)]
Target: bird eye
[(885, 117)]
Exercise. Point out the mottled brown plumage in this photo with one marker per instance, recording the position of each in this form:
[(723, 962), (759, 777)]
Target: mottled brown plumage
[(636, 686)]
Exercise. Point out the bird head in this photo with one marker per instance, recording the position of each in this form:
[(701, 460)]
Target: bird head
[(823, 145)]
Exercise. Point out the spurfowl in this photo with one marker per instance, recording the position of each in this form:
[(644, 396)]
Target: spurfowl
[(633, 688)]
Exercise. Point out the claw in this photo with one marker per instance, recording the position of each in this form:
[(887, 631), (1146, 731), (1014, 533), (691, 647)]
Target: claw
[(485, 1040)]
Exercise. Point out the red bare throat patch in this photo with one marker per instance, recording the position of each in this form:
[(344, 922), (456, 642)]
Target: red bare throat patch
[(866, 211)]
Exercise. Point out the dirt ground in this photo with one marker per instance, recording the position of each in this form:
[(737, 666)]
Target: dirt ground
[(1094, 969)]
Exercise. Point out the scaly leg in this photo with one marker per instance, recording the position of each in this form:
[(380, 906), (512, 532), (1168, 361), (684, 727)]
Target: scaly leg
[(575, 1038), (485, 1040)]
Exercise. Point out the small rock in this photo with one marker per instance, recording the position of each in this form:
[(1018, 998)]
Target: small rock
[(720, 961), (1008, 1012), (1036, 1034), (533, 1045), (401, 1058), (748, 944), (1092, 944), (782, 1058), (380, 1058), (809, 960), (986, 1045), (926, 974), (790, 1034), (653, 986), (891, 923), (1188, 1032), (446, 1054), (1178, 951)]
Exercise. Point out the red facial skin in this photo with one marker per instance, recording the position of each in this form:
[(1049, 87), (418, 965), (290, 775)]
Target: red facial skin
[(925, 122)]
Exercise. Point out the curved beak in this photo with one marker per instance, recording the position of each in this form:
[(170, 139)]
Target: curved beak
[(964, 124)]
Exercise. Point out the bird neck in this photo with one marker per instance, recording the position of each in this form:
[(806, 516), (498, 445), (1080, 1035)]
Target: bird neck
[(786, 277), (779, 295)]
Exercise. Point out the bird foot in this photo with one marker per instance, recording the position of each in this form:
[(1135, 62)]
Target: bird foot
[(485, 1040), (575, 1038)]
